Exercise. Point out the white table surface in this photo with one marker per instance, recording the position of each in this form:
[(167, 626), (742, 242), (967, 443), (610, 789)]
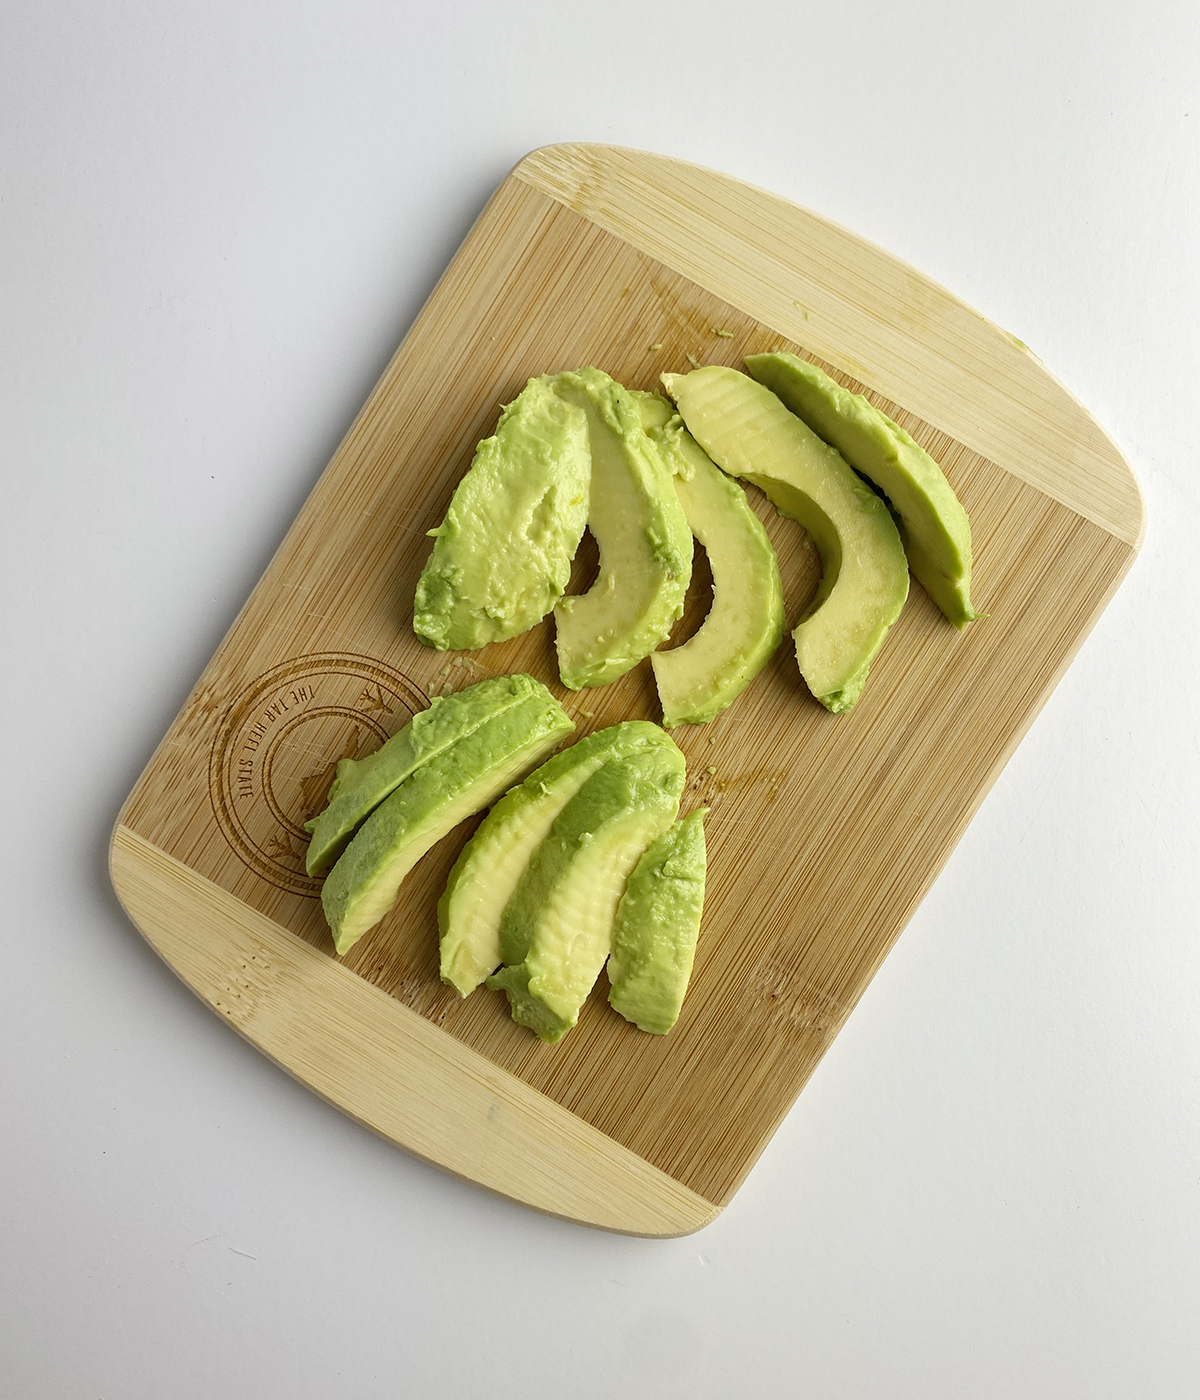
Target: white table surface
[(217, 221)]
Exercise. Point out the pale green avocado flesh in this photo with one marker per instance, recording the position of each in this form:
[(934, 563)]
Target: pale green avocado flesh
[(492, 862), (934, 526), (658, 923), (743, 629), (361, 785), (502, 555), (453, 785), (557, 928), (643, 538), (748, 432)]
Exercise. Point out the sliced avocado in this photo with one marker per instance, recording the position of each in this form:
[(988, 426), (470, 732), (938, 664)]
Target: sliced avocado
[(557, 928), (934, 525), (503, 553), (748, 432), (705, 675), (494, 859), (658, 922), (362, 784), (642, 533), (434, 798)]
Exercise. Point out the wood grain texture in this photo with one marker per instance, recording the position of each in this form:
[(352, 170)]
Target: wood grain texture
[(824, 833)]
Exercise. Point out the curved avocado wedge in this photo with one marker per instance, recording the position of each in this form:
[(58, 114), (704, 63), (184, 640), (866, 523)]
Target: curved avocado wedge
[(557, 928), (934, 525), (454, 784), (748, 432), (704, 676), (492, 862), (362, 784), (502, 555), (644, 541), (657, 925)]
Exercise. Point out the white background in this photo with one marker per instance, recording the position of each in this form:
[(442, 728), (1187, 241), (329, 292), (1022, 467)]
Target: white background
[(217, 221)]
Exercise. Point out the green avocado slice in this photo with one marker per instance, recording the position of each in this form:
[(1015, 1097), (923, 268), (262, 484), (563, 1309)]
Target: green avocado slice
[(934, 525), (494, 859), (454, 784), (643, 536), (743, 629), (502, 555), (557, 928), (362, 784), (748, 432), (658, 923)]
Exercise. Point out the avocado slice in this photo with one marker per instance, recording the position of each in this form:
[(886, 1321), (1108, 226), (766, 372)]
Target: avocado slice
[(642, 533), (699, 679), (454, 784), (494, 859), (658, 923), (362, 784), (502, 555), (934, 525), (557, 928), (748, 432)]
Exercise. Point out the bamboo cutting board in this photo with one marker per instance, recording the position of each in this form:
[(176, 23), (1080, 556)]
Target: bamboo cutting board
[(825, 832)]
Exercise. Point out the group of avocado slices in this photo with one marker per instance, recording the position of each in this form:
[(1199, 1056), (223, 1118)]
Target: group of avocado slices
[(577, 450), (581, 863)]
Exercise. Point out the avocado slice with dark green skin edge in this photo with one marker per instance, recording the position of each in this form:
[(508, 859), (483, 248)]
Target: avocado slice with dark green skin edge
[(362, 784), (657, 927), (557, 928), (933, 524), (749, 433), (643, 538), (492, 862), (744, 627), (431, 801), (502, 555)]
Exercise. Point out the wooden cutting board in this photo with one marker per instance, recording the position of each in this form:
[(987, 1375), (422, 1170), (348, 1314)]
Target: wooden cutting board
[(825, 832)]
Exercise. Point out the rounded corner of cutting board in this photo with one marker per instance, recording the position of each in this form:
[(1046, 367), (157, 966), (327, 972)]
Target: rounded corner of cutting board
[(563, 161), (384, 1065), (119, 872), (1136, 511), (1099, 483)]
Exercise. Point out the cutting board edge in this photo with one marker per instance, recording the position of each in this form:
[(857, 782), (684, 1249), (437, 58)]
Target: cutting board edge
[(1022, 418), (384, 1065)]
